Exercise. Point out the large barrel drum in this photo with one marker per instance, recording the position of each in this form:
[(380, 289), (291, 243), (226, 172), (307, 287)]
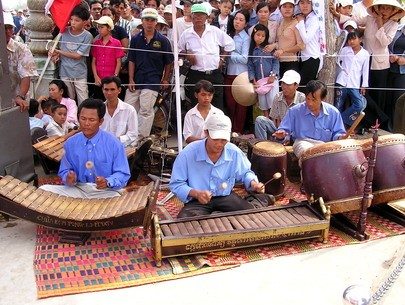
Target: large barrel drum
[(267, 159)]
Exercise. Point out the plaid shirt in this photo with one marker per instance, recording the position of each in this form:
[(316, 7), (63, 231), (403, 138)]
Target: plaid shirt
[(280, 107)]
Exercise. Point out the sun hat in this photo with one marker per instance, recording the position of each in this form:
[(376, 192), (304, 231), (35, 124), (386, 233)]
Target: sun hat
[(219, 126), (344, 3), (243, 91), (290, 77), (8, 19), (399, 12), (286, 1), (162, 20), (106, 20), (150, 13), (199, 8), (351, 23)]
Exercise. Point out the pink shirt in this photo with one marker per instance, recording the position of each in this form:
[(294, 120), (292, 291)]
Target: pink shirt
[(71, 109), (106, 56)]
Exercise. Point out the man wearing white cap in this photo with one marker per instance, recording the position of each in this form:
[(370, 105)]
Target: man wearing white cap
[(206, 171), (287, 98), (21, 65)]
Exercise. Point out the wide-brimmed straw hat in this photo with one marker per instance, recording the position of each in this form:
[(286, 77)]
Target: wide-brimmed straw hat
[(399, 12), (243, 91)]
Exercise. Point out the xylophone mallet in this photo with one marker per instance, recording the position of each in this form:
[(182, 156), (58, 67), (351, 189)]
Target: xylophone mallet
[(276, 176), (90, 166)]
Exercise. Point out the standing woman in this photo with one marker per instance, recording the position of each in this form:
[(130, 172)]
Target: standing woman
[(237, 64), (310, 31), (288, 39), (263, 15)]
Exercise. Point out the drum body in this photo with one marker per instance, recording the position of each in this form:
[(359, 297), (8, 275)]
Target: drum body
[(389, 171), (267, 159), (334, 171)]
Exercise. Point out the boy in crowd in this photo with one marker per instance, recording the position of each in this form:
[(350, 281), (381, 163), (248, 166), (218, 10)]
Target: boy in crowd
[(221, 21), (75, 46), (32, 112), (59, 126)]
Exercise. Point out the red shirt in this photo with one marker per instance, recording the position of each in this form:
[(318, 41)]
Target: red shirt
[(106, 56)]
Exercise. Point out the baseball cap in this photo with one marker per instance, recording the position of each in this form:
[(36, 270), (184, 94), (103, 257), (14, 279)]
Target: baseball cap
[(135, 7), (219, 126), (20, 11), (8, 19), (351, 23), (344, 3), (150, 13), (199, 8), (286, 1), (291, 77), (106, 20), (168, 9), (187, 1)]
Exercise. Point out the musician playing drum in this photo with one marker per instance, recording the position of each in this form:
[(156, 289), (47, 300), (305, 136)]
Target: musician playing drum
[(313, 122), (95, 163), (206, 171)]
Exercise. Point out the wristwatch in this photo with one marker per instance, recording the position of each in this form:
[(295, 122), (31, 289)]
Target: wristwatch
[(20, 96)]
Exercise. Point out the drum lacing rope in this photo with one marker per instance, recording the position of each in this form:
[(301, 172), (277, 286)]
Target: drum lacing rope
[(382, 290)]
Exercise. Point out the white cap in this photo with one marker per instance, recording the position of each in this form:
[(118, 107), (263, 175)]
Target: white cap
[(106, 20), (149, 13), (344, 3), (8, 19), (219, 126), (290, 77), (351, 23), (286, 1)]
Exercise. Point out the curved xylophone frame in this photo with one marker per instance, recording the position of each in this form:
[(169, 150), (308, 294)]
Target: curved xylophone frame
[(131, 209)]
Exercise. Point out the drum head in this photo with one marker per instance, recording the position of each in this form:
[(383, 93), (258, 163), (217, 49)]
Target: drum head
[(269, 148), (243, 91)]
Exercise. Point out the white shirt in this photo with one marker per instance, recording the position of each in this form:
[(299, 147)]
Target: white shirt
[(354, 68), (182, 25), (206, 47), (123, 123), (53, 128), (310, 32), (223, 23), (194, 122)]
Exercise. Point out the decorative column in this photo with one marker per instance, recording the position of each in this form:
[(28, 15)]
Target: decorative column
[(40, 26)]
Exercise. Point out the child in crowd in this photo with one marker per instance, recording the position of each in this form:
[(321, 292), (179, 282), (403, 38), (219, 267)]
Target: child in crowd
[(106, 54), (221, 20), (344, 7), (58, 126), (195, 118), (352, 80), (32, 112), (262, 65), (46, 106), (75, 46)]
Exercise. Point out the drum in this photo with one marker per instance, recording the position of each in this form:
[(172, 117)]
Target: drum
[(389, 171), (269, 158), (334, 171)]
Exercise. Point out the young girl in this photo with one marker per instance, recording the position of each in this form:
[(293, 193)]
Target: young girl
[(58, 126), (261, 65)]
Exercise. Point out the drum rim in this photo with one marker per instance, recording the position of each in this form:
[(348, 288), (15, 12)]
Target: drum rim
[(353, 147), (279, 151)]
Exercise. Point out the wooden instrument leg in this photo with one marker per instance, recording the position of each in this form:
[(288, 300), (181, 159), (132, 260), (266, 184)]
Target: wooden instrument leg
[(345, 225), (388, 212), (73, 238), (156, 240)]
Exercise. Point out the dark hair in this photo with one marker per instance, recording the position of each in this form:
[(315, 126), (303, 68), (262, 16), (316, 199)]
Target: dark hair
[(111, 79), (261, 5), (96, 2), (356, 33), (61, 85), (204, 84), (110, 8), (147, 1), (93, 103), (315, 85), (259, 27), (33, 108), (57, 106), (48, 103), (245, 13), (81, 12), (116, 2), (226, 1)]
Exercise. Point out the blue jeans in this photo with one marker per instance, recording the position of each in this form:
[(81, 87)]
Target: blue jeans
[(264, 127), (357, 103)]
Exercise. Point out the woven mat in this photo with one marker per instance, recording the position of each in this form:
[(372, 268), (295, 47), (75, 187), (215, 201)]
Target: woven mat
[(124, 258)]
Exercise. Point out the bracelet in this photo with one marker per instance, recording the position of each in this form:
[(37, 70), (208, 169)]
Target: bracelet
[(20, 96)]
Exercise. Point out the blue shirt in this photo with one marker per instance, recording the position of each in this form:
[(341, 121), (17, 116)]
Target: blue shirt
[(193, 169), (149, 66), (105, 151), (301, 123), (260, 64), (237, 62)]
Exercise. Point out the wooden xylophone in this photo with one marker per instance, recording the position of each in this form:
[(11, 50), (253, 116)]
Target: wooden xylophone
[(25, 201), (52, 148), (232, 230)]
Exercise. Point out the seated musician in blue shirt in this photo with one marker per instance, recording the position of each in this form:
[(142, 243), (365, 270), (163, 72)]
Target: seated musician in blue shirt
[(95, 163), (206, 171), (313, 122)]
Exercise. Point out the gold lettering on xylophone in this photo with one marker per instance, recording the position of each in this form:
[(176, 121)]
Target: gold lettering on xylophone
[(74, 224)]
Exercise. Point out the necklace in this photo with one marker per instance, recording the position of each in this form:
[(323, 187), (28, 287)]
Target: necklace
[(284, 26)]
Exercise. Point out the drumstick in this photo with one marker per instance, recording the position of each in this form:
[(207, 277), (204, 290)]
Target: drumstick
[(276, 176), (353, 127)]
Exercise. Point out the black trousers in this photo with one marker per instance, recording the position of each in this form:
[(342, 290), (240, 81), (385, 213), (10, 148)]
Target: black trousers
[(216, 78), (308, 71)]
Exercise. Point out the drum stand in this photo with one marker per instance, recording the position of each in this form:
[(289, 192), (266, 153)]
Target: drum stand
[(73, 238)]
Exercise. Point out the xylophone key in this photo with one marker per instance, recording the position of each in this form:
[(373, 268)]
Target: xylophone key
[(226, 223), (235, 223), (268, 216), (166, 230), (197, 227)]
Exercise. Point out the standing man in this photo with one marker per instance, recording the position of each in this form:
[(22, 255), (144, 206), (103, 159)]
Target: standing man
[(150, 65), (21, 65), (120, 118), (287, 98), (95, 9), (95, 164), (205, 47)]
